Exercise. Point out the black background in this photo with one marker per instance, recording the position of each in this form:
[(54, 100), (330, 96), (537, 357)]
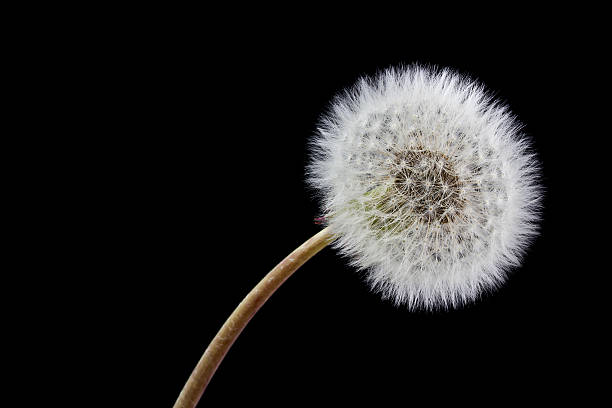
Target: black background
[(214, 197)]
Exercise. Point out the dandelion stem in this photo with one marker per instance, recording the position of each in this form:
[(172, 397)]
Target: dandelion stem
[(206, 367)]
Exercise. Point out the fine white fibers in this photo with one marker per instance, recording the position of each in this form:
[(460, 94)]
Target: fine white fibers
[(428, 185)]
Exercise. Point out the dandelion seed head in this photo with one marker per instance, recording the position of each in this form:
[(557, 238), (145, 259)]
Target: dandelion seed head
[(428, 184)]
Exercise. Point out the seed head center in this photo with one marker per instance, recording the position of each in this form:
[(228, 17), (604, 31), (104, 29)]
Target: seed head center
[(426, 186)]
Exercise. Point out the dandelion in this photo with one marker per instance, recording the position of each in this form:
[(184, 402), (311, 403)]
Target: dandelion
[(427, 186)]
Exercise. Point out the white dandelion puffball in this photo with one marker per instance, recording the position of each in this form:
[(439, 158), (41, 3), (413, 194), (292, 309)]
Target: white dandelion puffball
[(427, 184)]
